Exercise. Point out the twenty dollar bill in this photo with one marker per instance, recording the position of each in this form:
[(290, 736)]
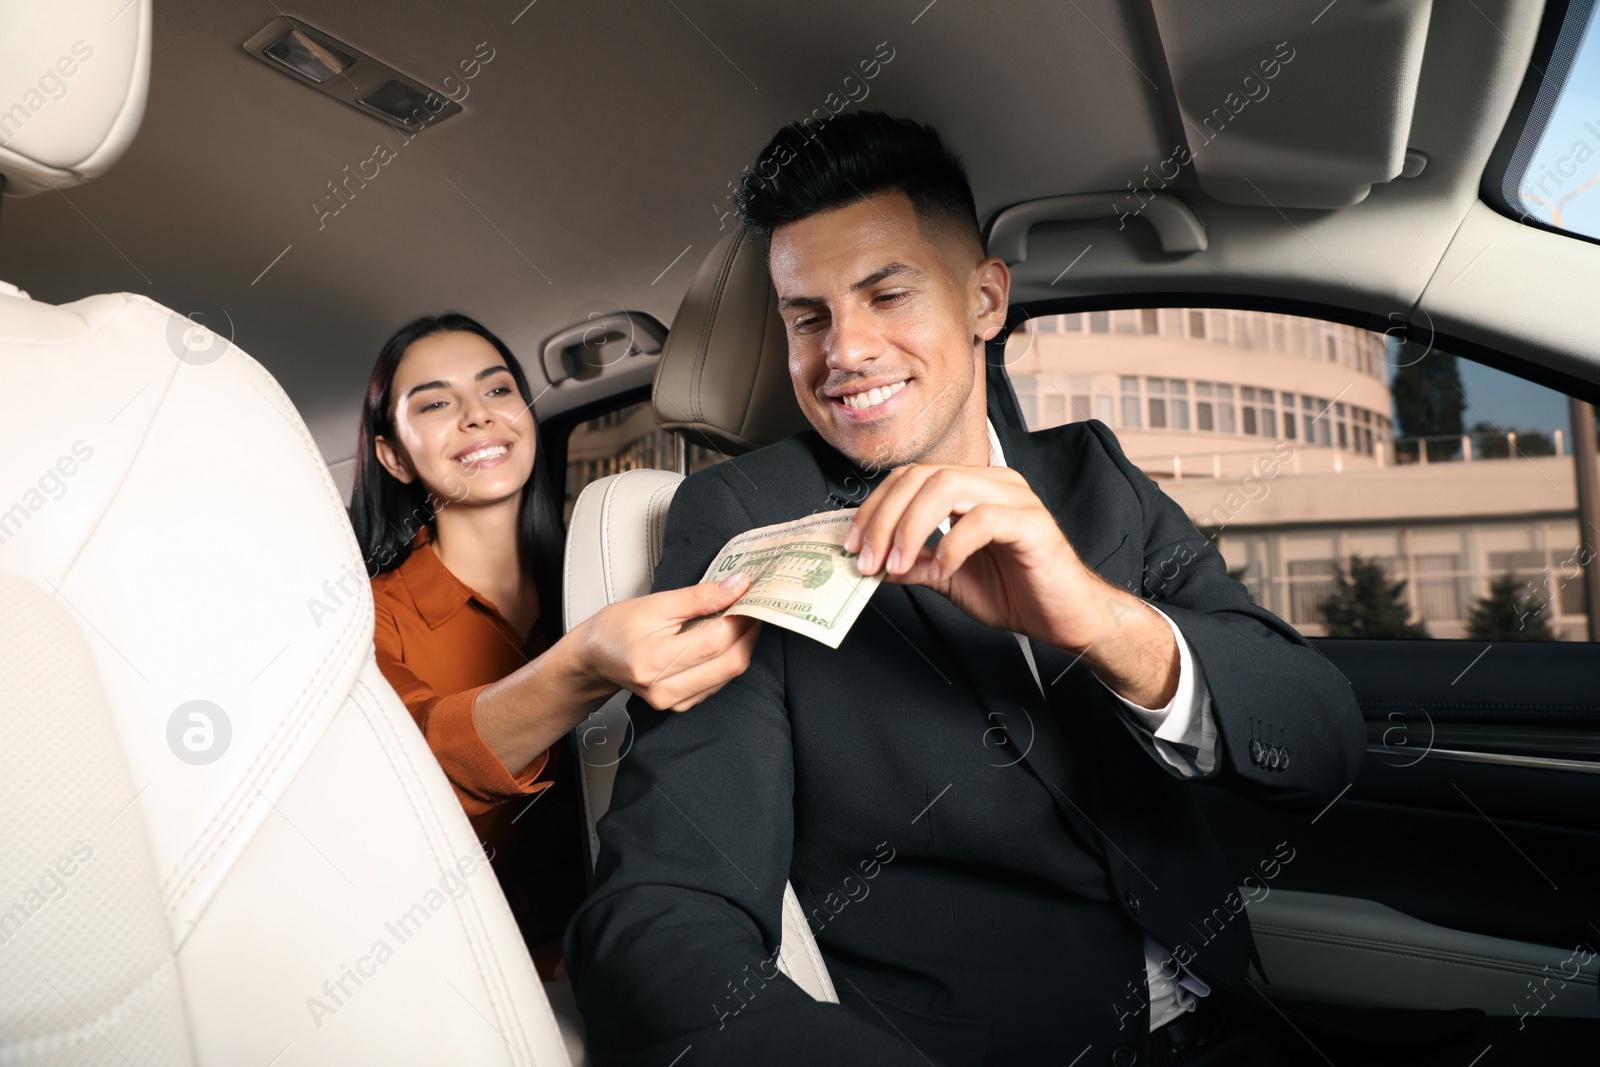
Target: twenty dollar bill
[(801, 578)]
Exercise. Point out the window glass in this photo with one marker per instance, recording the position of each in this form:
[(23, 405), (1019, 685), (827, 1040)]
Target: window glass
[(1554, 172), (1401, 493), (1055, 409), (621, 440)]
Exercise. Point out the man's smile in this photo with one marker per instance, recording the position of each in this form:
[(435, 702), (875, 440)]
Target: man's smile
[(866, 401)]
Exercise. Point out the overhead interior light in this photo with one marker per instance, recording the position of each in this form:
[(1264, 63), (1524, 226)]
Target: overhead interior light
[(398, 101), (349, 75), (308, 57)]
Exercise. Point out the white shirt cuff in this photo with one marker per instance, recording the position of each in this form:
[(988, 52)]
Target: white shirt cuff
[(1183, 729)]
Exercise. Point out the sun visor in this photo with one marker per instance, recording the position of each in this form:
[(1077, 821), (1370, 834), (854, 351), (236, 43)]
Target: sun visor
[(1292, 112), (73, 79)]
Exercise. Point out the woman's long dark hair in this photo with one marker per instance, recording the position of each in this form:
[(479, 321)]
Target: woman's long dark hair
[(387, 513)]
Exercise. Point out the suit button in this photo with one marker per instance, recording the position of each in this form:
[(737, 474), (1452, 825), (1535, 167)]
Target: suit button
[(1272, 757), (1123, 1056), (1133, 902), (1255, 753), (1284, 752)]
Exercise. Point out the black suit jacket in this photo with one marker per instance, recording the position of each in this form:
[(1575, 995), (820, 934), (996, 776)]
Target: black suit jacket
[(978, 861)]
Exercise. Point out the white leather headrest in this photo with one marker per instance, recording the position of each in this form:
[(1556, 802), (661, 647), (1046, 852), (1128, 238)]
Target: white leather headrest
[(73, 80), (614, 540)]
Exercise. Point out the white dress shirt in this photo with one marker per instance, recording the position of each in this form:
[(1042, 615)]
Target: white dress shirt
[(1185, 734)]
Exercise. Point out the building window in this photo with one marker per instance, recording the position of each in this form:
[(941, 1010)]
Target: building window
[(1150, 320), (1055, 409), (1197, 324), (1258, 331), (1217, 327), (1130, 412), (1178, 405), (1158, 413), (1105, 408), (1248, 414), (1099, 322), (1310, 586), (1440, 587), (1227, 420)]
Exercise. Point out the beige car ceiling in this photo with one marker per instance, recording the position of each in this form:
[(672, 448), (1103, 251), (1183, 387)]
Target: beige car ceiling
[(592, 165)]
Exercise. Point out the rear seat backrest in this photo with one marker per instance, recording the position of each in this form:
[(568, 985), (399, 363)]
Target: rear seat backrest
[(723, 382), (613, 546)]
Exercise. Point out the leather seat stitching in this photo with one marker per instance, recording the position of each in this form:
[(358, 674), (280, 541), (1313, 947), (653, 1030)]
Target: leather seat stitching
[(478, 939)]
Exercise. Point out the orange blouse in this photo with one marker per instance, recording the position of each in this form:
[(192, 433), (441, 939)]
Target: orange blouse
[(439, 644)]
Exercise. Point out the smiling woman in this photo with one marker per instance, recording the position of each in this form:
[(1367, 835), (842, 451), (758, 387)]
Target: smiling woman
[(454, 508)]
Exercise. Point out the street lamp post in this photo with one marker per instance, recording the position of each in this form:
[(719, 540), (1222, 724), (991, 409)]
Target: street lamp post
[(1587, 468)]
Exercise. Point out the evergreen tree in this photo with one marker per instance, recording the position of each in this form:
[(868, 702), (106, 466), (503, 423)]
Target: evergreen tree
[(1428, 398), (1366, 604), (1509, 612)]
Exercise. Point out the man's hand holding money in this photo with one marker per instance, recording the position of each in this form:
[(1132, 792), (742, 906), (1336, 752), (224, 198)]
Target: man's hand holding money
[(1006, 563)]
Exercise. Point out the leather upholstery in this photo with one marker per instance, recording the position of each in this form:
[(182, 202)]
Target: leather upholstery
[(613, 546), (73, 80), (723, 376), (1347, 950), (78, 874), (308, 862)]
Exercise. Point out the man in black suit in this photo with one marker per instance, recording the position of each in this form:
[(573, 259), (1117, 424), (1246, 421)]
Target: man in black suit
[(983, 797)]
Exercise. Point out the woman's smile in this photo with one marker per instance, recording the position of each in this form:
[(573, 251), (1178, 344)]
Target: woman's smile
[(484, 454)]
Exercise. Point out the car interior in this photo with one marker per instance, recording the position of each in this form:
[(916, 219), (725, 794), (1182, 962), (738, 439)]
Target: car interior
[(214, 215)]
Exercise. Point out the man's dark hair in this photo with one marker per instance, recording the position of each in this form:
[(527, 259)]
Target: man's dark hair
[(811, 166)]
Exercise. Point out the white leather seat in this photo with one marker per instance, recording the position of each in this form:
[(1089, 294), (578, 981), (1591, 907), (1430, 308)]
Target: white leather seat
[(614, 538), (227, 842)]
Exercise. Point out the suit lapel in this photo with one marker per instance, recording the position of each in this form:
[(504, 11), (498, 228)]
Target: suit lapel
[(1053, 473), (991, 661)]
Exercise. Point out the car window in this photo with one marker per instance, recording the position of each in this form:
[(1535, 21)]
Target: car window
[(1553, 173), (1357, 485), (626, 438)]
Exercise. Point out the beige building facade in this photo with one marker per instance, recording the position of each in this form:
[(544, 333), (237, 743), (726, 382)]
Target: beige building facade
[(1275, 434)]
